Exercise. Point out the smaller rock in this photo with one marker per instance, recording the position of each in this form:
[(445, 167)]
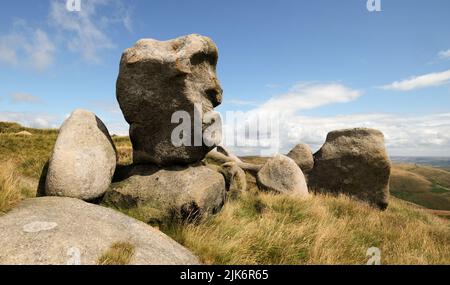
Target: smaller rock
[(83, 160), (282, 175), (235, 178), (24, 133), (302, 155)]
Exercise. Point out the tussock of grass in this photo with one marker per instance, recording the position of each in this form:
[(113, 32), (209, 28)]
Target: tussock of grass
[(269, 229), (120, 253), (10, 192)]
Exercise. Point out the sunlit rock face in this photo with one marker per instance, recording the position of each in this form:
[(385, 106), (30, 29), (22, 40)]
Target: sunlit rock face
[(159, 78)]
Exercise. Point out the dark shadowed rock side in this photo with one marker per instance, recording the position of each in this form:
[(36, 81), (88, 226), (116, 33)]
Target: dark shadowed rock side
[(156, 79), (235, 178), (83, 159), (353, 162), (162, 195), (60, 231)]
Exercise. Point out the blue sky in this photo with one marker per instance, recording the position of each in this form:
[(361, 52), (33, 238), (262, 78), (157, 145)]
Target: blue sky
[(327, 64)]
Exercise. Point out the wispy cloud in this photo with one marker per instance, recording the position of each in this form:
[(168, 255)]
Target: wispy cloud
[(86, 32), (422, 81), (306, 96), (241, 102), (26, 47), (445, 54), (24, 98), (31, 119)]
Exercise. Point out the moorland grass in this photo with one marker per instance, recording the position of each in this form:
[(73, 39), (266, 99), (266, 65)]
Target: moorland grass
[(269, 229)]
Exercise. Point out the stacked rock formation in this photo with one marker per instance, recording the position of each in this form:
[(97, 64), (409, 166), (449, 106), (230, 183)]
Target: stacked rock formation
[(157, 80)]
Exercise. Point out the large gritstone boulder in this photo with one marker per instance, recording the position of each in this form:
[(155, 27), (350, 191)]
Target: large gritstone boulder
[(159, 196), (158, 79), (83, 160), (353, 162), (60, 231)]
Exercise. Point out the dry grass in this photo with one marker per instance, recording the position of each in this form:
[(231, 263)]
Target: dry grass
[(268, 229), (124, 150), (30, 153), (10, 190), (120, 253), (125, 155)]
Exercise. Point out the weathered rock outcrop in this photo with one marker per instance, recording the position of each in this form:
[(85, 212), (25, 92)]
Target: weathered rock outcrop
[(161, 195), (282, 175), (353, 162), (59, 231), (158, 78), (83, 160), (302, 155)]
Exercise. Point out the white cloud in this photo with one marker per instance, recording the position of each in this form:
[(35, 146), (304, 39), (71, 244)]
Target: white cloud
[(445, 54), (422, 81), (405, 135), (85, 32), (27, 47), (30, 119), (306, 96), (24, 98), (8, 45), (426, 135), (41, 50)]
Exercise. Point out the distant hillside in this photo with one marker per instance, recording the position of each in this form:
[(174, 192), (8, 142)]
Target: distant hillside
[(443, 162), (423, 185)]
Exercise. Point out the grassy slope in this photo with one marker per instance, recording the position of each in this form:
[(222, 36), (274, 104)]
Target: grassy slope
[(29, 152), (268, 229), (423, 185)]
